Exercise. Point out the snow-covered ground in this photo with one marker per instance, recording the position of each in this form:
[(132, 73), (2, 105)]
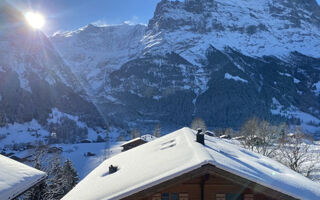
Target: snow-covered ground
[(309, 122), (14, 138), (84, 164), (235, 78), (78, 154), (22, 133)]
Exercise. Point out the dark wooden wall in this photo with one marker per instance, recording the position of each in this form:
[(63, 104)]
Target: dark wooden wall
[(216, 182), (212, 186)]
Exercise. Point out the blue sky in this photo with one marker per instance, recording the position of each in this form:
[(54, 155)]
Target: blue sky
[(64, 15)]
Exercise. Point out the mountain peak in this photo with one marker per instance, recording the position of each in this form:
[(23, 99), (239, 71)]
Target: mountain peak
[(255, 28)]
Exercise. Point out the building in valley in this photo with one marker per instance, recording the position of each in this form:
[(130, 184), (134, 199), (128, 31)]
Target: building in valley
[(185, 165)]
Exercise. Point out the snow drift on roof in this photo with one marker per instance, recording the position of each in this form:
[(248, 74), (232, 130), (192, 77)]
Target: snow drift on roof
[(16, 178), (181, 154)]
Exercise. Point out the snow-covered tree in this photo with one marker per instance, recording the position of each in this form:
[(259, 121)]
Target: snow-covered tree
[(295, 152), (61, 178), (199, 123), (260, 136), (70, 175)]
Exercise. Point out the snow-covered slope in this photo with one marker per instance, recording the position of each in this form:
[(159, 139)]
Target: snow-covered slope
[(34, 79), (94, 51), (255, 28)]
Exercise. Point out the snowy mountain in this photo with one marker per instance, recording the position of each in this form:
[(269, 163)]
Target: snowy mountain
[(255, 28), (224, 61), (35, 81), (92, 51)]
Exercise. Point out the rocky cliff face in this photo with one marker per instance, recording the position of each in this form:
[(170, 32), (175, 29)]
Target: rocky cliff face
[(224, 61), (255, 28)]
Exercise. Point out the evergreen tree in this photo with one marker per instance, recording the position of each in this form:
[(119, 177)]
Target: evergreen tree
[(63, 179), (54, 190), (100, 139), (70, 176)]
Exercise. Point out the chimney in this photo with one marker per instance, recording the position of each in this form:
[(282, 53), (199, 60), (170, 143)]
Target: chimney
[(200, 136), (113, 169)]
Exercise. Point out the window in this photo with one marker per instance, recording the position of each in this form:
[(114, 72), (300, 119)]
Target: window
[(233, 197), (165, 196), (171, 196), (174, 196)]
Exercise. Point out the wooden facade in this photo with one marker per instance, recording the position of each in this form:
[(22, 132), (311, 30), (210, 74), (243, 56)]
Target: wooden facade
[(209, 183)]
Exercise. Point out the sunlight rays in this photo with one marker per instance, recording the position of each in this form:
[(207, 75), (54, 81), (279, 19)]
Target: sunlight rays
[(35, 20)]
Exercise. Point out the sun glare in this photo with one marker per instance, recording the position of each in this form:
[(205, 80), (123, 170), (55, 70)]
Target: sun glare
[(35, 20)]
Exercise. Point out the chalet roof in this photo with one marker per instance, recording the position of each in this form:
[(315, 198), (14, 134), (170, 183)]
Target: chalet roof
[(146, 138), (178, 153), (15, 178)]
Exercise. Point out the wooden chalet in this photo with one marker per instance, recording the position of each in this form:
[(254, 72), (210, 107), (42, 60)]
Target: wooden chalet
[(16, 178), (186, 165), (209, 182)]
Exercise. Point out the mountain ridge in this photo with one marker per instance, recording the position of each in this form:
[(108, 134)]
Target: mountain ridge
[(188, 45), (209, 59)]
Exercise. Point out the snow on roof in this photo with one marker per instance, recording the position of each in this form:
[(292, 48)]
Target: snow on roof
[(146, 138), (181, 154), (16, 178)]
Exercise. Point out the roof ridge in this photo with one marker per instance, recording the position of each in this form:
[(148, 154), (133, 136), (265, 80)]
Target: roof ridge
[(200, 150)]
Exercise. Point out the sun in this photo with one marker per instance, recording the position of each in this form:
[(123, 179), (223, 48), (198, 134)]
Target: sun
[(35, 20)]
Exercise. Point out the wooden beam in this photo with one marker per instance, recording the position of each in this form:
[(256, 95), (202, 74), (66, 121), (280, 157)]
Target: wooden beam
[(255, 187), (212, 170)]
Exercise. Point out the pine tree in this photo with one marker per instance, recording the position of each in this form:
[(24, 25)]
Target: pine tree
[(100, 139), (70, 176), (55, 191), (63, 180)]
